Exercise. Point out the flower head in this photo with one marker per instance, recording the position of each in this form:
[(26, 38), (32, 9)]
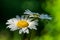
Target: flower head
[(37, 15), (22, 24)]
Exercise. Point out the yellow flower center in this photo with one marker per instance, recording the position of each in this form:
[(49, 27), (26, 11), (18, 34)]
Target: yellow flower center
[(22, 24)]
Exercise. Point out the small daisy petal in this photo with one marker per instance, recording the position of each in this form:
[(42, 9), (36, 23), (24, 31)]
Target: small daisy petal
[(27, 31), (24, 28), (45, 16), (20, 31), (33, 25), (22, 18), (17, 16), (28, 12)]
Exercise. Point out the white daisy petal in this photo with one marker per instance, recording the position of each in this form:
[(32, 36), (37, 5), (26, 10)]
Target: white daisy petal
[(12, 27), (17, 16), (26, 17), (45, 16), (32, 25), (24, 28), (34, 22), (27, 31), (9, 21), (20, 31), (27, 12), (22, 17), (29, 20), (12, 21), (35, 28)]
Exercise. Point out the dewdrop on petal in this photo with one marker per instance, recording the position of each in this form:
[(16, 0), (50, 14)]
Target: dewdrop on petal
[(22, 24)]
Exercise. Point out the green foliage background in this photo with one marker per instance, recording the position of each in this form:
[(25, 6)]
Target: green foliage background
[(46, 30)]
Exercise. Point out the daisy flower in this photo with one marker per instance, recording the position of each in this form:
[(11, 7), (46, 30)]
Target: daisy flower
[(37, 15), (23, 24)]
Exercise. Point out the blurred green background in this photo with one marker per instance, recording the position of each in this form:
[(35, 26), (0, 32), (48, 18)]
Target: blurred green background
[(47, 30)]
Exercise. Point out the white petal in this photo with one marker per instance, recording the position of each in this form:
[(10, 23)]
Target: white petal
[(48, 18), (17, 16), (15, 20), (24, 28), (12, 21), (44, 16), (29, 20), (27, 12), (26, 17), (20, 31), (27, 31), (9, 21), (9, 26), (12, 27), (34, 22), (32, 25), (22, 17)]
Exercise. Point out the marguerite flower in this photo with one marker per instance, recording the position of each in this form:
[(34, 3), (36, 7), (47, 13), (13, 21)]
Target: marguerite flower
[(37, 15), (21, 23)]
